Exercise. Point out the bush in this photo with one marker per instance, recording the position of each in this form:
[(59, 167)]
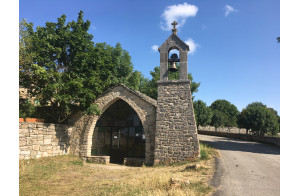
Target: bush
[(26, 109), (92, 110)]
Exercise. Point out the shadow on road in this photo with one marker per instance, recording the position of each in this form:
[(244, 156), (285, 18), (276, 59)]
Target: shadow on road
[(240, 145)]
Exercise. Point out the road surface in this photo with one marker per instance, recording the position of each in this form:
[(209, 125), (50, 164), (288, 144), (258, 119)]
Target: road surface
[(245, 168)]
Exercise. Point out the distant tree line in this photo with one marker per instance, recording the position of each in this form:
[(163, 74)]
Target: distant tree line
[(256, 117)]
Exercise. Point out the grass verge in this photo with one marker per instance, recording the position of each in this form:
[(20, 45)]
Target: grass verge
[(69, 175)]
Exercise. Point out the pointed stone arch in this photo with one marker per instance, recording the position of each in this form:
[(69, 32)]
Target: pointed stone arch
[(144, 106)]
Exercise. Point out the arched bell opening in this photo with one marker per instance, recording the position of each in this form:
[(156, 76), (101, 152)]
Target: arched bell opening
[(119, 133), (173, 63)]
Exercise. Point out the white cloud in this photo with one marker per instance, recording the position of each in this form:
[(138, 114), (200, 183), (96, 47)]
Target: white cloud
[(193, 46), (154, 48), (178, 13), (229, 9)]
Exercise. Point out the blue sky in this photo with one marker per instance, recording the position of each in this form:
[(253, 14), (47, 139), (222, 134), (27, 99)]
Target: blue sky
[(234, 53)]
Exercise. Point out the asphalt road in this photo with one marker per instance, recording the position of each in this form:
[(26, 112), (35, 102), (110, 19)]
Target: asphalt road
[(245, 168)]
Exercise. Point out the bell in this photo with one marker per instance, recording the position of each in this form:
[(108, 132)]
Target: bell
[(173, 67)]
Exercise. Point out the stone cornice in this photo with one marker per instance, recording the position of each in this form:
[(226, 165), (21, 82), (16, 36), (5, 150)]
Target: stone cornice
[(173, 82)]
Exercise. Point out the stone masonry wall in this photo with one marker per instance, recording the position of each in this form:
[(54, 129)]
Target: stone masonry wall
[(42, 140), (80, 124), (176, 132), (223, 129), (84, 126)]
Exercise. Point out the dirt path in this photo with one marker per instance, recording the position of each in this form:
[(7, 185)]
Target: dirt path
[(245, 168)]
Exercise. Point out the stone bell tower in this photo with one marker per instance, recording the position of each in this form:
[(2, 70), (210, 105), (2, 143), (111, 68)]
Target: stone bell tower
[(176, 131)]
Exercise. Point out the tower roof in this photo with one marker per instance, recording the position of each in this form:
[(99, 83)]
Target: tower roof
[(173, 42)]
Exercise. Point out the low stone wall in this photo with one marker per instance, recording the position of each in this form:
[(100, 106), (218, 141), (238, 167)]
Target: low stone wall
[(268, 140), (223, 129), (42, 140)]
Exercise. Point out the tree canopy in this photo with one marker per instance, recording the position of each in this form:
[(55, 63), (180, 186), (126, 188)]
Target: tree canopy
[(218, 119), (224, 114), (65, 69), (203, 114), (260, 119)]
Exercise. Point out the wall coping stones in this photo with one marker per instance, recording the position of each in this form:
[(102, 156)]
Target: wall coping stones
[(173, 82)]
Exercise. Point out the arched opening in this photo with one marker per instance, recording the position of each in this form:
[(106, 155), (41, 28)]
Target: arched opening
[(119, 133), (173, 73)]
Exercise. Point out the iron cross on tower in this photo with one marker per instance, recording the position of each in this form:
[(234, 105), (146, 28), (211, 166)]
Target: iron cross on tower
[(174, 30)]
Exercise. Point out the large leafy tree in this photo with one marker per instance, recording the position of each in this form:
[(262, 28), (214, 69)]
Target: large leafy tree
[(137, 81), (224, 114), (25, 55), (65, 69), (203, 114), (260, 119), (218, 119), (26, 108), (150, 86)]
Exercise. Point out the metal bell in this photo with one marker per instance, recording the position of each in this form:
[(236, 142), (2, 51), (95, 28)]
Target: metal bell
[(173, 67)]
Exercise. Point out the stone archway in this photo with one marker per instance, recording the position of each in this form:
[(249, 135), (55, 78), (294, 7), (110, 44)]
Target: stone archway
[(144, 106), (119, 134)]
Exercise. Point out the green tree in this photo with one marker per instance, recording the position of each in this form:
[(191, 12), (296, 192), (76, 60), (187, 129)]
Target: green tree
[(203, 114), (137, 81), (244, 121), (260, 119), (218, 119), (65, 70), (150, 88), (26, 109), (228, 111), (25, 53)]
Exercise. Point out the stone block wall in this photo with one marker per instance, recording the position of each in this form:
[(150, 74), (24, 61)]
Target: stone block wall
[(176, 131), (80, 125), (223, 129), (42, 140)]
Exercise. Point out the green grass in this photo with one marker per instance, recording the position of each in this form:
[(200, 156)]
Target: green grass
[(207, 151)]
